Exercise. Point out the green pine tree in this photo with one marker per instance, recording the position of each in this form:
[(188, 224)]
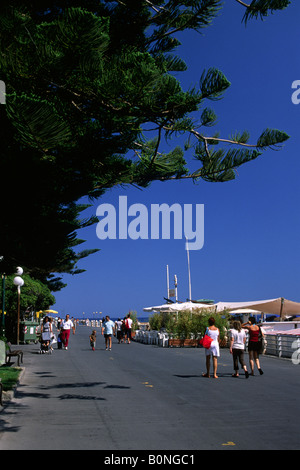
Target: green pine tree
[(91, 94)]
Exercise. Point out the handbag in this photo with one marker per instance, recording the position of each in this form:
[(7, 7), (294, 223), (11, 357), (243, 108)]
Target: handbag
[(206, 341)]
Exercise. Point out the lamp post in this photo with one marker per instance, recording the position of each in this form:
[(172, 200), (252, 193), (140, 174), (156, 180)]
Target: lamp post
[(19, 282), (2, 332)]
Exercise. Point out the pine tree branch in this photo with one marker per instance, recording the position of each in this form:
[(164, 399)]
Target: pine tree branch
[(206, 139), (242, 3), (157, 146), (156, 9), (228, 141), (261, 7)]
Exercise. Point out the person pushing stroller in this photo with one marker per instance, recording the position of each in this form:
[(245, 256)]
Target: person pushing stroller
[(46, 334)]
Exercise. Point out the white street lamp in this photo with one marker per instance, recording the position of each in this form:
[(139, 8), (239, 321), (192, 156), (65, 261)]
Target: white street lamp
[(19, 282), (19, 271)]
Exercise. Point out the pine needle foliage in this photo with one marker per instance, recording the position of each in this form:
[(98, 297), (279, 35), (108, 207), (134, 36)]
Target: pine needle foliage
[(262, 8)]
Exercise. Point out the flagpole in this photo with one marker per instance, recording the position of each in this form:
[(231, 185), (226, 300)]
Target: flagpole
[(189, 268), (168, 286)]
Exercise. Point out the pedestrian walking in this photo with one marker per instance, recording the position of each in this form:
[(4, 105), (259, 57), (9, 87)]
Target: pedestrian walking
[(254, 343), (108, 329), (128, 324), (237, 347), (46, 333), (93, 340), (214, 351), (66, 326), (118, 326)]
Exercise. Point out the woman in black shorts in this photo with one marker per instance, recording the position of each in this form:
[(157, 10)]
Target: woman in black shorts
[(254, 344)]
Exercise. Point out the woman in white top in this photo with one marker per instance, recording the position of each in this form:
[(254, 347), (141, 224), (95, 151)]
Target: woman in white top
[(214, 349), (237, 347)]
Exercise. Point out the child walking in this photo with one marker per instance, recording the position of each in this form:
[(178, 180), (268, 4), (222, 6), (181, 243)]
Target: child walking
[(93, 340)]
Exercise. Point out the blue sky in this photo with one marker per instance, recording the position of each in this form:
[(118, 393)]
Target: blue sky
[(252, 224)]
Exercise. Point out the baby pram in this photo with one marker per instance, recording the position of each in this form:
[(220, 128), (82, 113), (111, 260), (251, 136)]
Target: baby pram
[(45, 340)]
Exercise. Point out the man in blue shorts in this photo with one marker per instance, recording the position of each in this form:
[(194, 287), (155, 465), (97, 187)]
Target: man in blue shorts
[(108, 329)]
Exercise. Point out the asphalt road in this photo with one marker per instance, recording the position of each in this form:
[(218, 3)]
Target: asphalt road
[(143, 397)]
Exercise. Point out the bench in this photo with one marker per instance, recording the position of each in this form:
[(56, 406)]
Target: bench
[(16, 353)]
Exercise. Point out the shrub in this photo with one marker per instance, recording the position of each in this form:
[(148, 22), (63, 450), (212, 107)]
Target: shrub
[(184, 324)]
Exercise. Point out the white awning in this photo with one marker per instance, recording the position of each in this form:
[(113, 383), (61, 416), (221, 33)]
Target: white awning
[(279, 306)]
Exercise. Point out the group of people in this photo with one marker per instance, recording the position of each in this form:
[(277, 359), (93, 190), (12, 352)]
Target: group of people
[(119, 328), (237, 346), (122, 329), (64, 328)]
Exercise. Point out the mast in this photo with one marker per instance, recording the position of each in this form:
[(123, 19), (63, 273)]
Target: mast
[(189, 268)]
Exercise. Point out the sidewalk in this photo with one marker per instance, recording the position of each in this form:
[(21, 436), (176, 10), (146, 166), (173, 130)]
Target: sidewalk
[(142, 397)]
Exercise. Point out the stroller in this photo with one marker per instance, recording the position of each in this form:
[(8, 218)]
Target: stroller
[(45, 340)]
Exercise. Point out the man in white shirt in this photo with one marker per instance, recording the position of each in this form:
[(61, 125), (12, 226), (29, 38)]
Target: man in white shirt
[(66, 326), (108, 328)]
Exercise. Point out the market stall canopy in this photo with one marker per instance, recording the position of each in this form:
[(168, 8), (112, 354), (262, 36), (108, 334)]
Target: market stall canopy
[(279, 306)]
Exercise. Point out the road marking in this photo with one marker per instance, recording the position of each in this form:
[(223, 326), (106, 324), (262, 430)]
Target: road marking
[(229, 443), (147, 384)]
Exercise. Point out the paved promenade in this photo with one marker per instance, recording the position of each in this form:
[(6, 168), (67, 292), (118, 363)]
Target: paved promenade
[(142, 397)]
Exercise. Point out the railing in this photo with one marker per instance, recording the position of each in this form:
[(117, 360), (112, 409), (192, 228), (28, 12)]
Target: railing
[(283, 345)]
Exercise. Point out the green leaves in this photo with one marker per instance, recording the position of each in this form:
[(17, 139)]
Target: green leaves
[(158, 166), (178, 15), (37, 122), (272, 138), (212, 84), (261, 8), (35, 295), (220, 165)]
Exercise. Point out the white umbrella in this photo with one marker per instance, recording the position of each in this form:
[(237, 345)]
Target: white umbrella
[(189, 306), (177, 307), (157, 308)]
